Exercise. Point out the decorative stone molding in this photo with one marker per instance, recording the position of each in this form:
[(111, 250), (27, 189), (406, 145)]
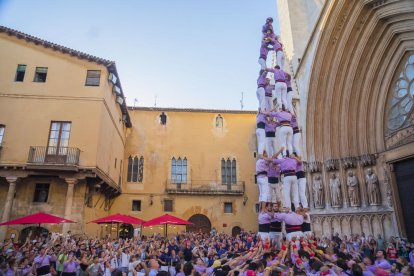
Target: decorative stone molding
[(314, 166), (401, 137), (349, 162), (332, 164), (367, 160)]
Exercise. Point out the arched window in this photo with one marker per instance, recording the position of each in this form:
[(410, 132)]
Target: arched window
[(400, 107), (135, 169), (179, 170), (219, 121), (228, 171)]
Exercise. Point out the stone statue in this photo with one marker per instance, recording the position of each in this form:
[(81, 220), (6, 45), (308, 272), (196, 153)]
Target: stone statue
[(318, 191), (371, 180), (335, 186), (353, 189)]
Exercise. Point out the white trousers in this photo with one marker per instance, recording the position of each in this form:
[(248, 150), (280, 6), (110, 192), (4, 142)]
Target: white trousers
[(269, 103), (296, 234), (271, 146), (290, 185), (263, 185), (285, 135), (261, 140), (280, 92), (289, 98), (264, 236), (262, 63), (296, 143), (302, 192), (276, 238), (274, 193), (260, 93), (280, 59)]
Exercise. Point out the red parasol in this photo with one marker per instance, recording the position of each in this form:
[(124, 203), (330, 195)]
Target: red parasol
[(119, 218), (166, 219), (38, 218)]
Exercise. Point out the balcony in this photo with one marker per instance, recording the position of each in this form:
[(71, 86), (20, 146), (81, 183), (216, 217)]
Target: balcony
[(53, 158), (205, 187)]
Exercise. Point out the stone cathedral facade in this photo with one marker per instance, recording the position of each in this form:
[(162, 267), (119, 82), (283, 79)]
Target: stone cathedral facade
[(352, 62)]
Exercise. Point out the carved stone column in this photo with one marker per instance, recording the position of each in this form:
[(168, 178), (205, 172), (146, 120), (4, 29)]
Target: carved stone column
[(8, 204), (69, 201)]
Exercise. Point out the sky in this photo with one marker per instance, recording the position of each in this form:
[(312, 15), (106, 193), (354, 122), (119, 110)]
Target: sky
[(172, 53)]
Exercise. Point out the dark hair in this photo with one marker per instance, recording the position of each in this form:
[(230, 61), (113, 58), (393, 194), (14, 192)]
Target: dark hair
[(316, 265), (357, 270), (252, 266), (188, 268), (302, 253), (178, 267), (342, 264)]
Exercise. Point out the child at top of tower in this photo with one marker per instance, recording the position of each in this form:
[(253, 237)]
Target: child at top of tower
[(268, 25)]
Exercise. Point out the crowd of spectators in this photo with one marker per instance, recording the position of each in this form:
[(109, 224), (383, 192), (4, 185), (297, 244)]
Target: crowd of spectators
[(206, 254)]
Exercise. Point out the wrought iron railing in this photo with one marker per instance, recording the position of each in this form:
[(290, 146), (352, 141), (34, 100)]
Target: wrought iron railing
[(53, 156), (205, 187)]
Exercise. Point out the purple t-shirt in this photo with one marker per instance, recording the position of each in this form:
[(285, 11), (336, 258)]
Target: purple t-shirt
[(290, 218), (274, 171), (281, 116), (261, 80), (278, 74), (264, 218), (261, 118), (294, 122), (286, 164), (270, 127), (299, 167)]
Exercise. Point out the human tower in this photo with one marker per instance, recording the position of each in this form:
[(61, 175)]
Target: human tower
[(279, 169)]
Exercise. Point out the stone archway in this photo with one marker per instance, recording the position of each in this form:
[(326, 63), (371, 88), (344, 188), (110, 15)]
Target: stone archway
[(34, 231), (199, 223), (235, 231)]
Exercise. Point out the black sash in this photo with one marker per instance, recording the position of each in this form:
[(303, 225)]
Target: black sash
[(293, 228), (43, 270), (300, 174), (276, 226), (264, 227), (306, 227)]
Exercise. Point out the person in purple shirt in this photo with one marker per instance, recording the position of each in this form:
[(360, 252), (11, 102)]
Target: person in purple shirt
[(297, 136), (293, 222), (262, 166), (260, 132), (285, 134), (280, 86), (268, 25), (270, 132), (275, 233), (262, 84), (264, 218), (381, 262), (289, 92), (70, 266), (267, 45), (288, 170), (301, 180), (280, 56), (273, 175), (42, 262)]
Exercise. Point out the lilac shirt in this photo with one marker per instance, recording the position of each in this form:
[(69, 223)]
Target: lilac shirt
[(299, 167), (267, 26), (270, 127), (261, 80), (286, 164), (269, 90), (278, 74), (260, 118), (264, 218), (281, 116), (287, 80), (261, 166), (384, 264), (274, 171), (46, 260), (290, 218), (70, 266)]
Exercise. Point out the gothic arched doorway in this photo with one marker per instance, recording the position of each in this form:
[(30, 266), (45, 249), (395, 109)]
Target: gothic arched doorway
[(126, 231), (235, 231), (199, 223)]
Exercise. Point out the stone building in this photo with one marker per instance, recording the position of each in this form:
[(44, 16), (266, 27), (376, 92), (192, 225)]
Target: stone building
[(353, 64), (69, 146)]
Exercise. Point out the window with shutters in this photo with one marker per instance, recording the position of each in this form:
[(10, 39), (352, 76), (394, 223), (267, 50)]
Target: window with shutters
[(228, 171), (2, 127), (135, 169), (20, 72), (41, 192), (136, 205), (168, 205), (93, 77), (179, 170), (228, 207), (40, 74)]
